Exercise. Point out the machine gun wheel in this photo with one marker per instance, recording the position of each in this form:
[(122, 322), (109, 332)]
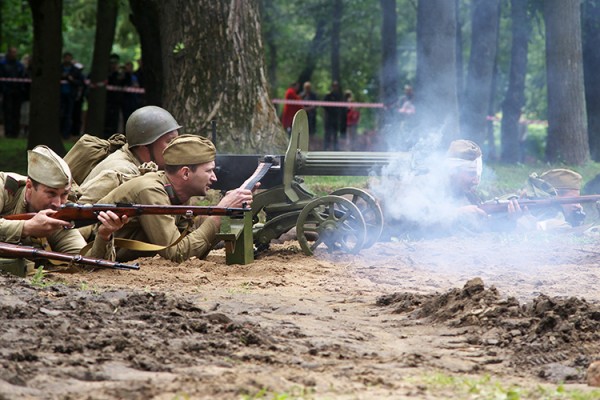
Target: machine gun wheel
[(370, 210), (335, 221)]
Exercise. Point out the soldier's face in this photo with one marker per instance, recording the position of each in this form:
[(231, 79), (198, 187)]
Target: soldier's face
[(465, 180), (156, 148), (202, 178), (41, 197), (569, 209)]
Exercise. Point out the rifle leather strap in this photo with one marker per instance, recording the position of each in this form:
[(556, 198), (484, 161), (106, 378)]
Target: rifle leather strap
[(139, 245), (260, 172)]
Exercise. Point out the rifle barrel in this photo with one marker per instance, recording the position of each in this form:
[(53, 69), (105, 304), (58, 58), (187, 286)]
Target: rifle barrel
[(502, 206)]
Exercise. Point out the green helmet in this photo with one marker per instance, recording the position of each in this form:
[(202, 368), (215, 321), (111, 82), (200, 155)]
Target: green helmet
[(147, 124)]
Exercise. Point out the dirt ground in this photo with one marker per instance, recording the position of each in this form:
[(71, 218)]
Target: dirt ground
[(517, 309)]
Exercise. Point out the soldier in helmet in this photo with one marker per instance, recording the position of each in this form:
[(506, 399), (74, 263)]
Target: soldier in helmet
[(148, 130), (42, 191), (189, 171)]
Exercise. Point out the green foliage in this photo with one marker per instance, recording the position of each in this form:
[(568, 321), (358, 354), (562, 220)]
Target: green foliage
[(39, 278), (16, 26)]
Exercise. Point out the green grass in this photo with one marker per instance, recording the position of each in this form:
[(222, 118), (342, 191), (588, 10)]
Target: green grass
[(484, 387)]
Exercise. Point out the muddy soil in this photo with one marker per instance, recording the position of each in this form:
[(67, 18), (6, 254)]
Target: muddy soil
[(523, 310)]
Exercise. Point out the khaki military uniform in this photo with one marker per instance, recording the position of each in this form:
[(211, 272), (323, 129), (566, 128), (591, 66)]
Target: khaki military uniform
[(152, 188), (70, 241), (111, 172)]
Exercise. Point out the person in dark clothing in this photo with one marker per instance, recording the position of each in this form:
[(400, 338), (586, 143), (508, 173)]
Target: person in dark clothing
[(70, 85), (12, 92), (333, 118), (115, 98), (77, 123), (311, 111)]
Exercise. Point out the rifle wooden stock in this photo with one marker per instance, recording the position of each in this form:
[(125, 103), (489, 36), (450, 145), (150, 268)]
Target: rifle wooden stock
[(87, 214), (8, 250), (500, 206)]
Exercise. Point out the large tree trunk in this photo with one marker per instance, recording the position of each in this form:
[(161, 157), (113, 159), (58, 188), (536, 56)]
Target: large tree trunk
[(485, 16), (106, 20), (436, 100), (389, 63), (515, 94), (145, 17), (336, 27), (591, 66), (44, 124), (213, 60), (567, 123)]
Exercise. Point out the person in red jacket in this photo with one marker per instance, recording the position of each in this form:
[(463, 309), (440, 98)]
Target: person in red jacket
[(289, 110)]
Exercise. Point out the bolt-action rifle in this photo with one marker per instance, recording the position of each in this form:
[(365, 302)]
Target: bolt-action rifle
[(8, 250), (500, 206), (87, 214)]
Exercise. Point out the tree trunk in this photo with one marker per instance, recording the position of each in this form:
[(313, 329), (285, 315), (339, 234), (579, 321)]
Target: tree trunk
[(515, 95), (460, 81), (145, 17), (268, 11), (336, 27), (436, 100), (106, 21), (389, 61), (591, 66), (44, 124), (316, 46), (213, 60), (567, 122), (485, 16)]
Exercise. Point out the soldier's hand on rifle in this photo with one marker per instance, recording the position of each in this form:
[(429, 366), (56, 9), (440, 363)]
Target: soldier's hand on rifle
[(110, 223), (237, 198), (514, 208), (42, 224)]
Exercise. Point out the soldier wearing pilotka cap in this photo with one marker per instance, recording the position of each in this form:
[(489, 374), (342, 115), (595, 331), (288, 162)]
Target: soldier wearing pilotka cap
[(189, 171), (43, 191), (558, 182)]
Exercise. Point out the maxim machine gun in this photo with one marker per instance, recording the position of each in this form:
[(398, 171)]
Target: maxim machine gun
[(347, 219)]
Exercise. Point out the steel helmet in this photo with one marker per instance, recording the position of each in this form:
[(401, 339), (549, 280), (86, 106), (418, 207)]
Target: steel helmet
[(147, 124)]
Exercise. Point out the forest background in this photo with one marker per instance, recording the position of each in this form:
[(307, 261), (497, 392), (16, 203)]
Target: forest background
[(532, 61)]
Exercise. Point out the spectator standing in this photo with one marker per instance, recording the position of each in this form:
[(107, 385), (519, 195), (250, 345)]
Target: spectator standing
[(352, 119), (115, 96), (333, 117), (139, 74), (311, 111), (130, 99), (26, 61), (77, 125), (70, 85), (12, 92), (289, 110)]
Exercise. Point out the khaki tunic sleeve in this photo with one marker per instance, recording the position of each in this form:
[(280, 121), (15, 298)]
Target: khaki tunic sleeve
[(162, 230), (10, 231), (70, 241)]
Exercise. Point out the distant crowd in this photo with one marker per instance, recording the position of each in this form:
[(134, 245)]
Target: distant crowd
[(340, 122), (74, 87)]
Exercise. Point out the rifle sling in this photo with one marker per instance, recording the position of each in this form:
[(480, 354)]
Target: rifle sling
[(138, 245)]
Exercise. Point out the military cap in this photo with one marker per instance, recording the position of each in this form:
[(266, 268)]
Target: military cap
[(464, 149), (561, 178), (46, 167), (189, 150)]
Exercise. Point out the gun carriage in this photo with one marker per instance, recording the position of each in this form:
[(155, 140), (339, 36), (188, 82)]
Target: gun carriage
[(348, 219)]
